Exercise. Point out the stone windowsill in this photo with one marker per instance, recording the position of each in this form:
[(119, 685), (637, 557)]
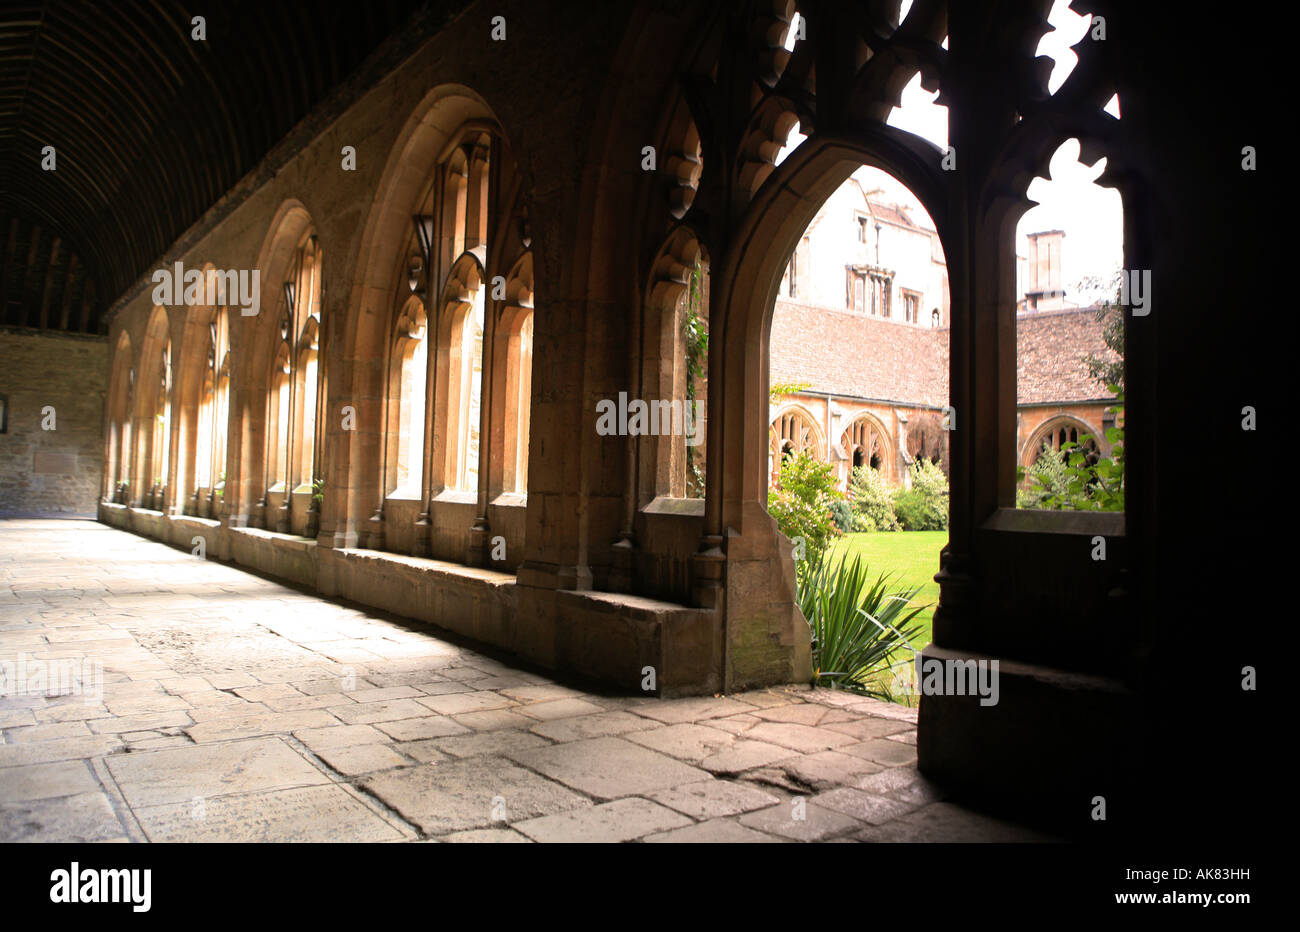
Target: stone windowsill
[(1034, 521), (404, 495), (429, 565), (194, 519), (636, 606), (456, 497), (665, 505), (281, 539)]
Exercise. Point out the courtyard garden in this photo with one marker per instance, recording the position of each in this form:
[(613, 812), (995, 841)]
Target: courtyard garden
[(912, 557), (864, 564)]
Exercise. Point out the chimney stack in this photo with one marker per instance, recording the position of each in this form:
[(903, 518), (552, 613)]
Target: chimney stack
[(1043, 291)]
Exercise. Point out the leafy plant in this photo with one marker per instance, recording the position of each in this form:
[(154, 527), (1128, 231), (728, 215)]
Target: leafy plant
[(1109, 371), (778, 391), (801, 504), (858, 626), (318, 491), (1047, 480), (924, 507), (1067, 481), (873, 500), (842, 515), (695, 328)]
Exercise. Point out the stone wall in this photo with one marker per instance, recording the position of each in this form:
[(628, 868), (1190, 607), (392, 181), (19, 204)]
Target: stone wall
[(53, 471)]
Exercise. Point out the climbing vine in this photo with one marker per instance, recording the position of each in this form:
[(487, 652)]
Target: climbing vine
[(695, 328)]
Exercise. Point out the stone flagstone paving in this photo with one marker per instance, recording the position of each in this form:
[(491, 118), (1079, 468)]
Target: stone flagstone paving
[(237, 709)]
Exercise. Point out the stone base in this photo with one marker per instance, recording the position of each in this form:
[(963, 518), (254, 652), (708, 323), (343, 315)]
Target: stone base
[(1053, 742), (611, 638)]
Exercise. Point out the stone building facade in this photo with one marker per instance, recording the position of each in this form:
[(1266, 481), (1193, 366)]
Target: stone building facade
[(52, 395), (870, 360), (518, 177)]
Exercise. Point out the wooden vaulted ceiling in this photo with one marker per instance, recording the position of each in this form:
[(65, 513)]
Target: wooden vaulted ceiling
[(150, 128)]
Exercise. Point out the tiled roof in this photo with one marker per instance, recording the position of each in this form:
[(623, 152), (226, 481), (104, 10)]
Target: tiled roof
[(1050, 350), (891, 214), (841, 352), (848, 353)]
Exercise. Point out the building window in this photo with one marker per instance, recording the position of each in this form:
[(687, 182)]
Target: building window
[(934, 318), (406, 399), (214, 393), (911, 307), (277, 466), (519, 395), (868, 292)]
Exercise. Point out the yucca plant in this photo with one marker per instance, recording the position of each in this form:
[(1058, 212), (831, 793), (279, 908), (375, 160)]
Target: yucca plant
[(858, 626)]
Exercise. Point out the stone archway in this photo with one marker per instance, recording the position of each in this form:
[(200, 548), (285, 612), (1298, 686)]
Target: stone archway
[(763, 625)]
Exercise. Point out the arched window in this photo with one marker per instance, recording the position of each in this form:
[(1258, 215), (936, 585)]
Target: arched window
[(867, 439), (675, 371), (1055, 434), (462, 237), (306, 384), (295, 388), (214, 390), (162, 427), (221, 415), (514, 369), (277, 430), (306, 374), (467, 393), (457, 383), (792, 432), (119, 423), (459, 393), (406, 394), (154, 414)]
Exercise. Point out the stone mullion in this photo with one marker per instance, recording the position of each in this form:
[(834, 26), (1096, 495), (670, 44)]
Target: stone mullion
[(490, 225), (375, 530), (981, 269), (292, 442), (437, 266), (176, 436)]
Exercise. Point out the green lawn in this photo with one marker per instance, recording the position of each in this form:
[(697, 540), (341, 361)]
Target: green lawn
[(910, 557)]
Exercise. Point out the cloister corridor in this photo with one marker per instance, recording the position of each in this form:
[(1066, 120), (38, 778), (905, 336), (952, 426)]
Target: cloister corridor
[(234, 708)]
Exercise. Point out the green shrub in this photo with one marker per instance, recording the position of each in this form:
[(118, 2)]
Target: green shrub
[(801, 503), (873, 500), (1048, 481), (924, 507), (858, 627), (1064, 480), (842, 514)]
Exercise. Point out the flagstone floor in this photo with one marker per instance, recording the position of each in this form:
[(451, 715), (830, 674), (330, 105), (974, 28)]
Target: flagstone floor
[(232, 708)]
